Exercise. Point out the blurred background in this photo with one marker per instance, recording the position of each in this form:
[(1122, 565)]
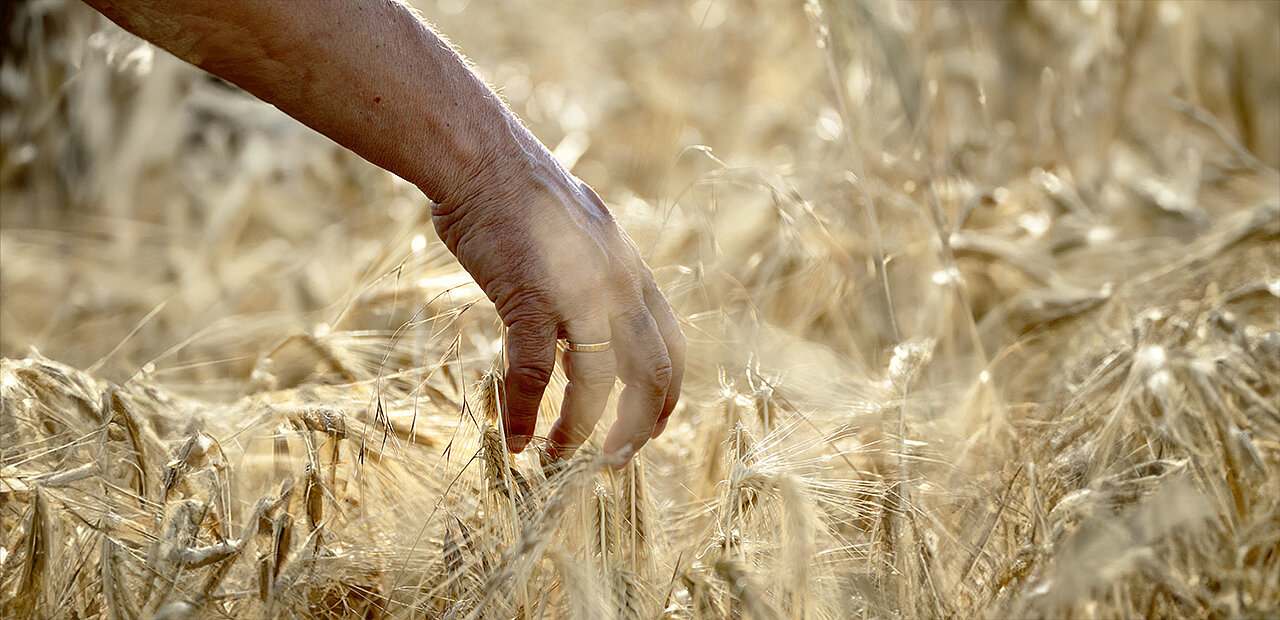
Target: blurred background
[(136, 187)]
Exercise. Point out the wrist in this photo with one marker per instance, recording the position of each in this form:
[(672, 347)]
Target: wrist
[(506, 167), (466, 157)]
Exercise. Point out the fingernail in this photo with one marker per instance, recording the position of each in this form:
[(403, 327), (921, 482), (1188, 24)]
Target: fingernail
[(516, 444)]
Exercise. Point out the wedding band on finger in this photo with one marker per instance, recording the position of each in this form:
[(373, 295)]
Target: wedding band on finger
[(592, 347)]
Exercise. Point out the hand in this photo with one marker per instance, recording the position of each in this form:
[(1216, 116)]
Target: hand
[(550, 256), (538, 241)]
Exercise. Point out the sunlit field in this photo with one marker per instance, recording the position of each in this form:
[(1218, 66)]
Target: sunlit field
[(982, 299)]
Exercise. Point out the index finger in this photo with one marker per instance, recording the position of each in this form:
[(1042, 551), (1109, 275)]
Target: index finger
[(531, 356)]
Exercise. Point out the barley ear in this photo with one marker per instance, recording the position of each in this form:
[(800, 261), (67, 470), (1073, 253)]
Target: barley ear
[(33, 578)]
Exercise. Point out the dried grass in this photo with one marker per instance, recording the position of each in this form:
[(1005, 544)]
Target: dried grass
[(982, 301)]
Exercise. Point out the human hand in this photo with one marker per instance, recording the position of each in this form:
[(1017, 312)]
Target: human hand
[(538, 241), (547, 252)]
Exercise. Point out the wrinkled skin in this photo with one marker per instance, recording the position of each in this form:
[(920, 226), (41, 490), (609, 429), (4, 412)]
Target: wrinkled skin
[(556, 264), (538, 241)]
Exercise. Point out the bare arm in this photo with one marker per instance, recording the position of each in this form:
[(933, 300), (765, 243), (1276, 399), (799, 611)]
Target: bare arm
[(366, 73), (371, 76)]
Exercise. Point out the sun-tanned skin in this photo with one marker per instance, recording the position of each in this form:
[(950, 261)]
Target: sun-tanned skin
[(375, 79)]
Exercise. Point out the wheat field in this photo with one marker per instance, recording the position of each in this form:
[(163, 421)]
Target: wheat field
[(982, 301)]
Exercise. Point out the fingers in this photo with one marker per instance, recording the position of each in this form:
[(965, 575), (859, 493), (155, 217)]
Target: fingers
[(531, 355), (591, 376), (669, 327), (645, 369)]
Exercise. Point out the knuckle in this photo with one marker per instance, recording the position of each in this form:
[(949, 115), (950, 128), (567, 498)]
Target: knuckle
[(595, 375), (661, 373), (522, 306), (656, 377), (443, 214), (528, 377), (583, 288), (622, 279)]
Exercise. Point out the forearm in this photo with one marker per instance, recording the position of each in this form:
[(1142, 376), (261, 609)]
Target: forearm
[(542, 245), (366, 73)]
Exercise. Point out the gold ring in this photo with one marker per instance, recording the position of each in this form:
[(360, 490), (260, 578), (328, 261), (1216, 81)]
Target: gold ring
[(593, 347)]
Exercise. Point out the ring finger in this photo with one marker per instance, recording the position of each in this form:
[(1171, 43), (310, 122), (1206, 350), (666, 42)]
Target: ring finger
[(591, 378)]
